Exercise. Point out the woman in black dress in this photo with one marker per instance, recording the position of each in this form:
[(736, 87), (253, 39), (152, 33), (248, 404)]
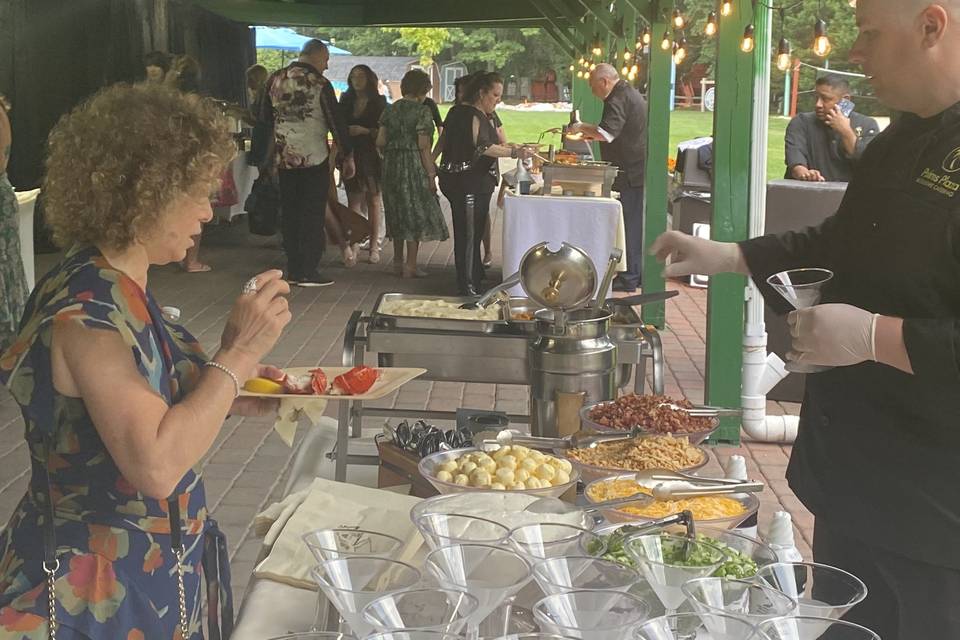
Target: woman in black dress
[(468, 172), (362, 107)]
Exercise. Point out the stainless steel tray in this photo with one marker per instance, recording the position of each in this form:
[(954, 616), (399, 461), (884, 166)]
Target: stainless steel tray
[(387, 321)]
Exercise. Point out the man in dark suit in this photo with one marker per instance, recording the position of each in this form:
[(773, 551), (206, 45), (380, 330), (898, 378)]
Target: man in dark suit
[(622, 133)]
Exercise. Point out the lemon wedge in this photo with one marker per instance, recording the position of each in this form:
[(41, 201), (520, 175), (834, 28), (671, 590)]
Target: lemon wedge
[(263, 385)]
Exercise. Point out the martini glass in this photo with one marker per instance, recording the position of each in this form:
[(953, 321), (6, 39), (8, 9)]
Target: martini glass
[(590, 615), (351, 583), (692, 626), (330, 544), (749, 601), (315, 635), (581, 573), (811, 628), (542, 540), (802, 289), (428, 608), (820, 590), (668, 561), (413, 634), (446, 529), (536, 635), (491, 574)]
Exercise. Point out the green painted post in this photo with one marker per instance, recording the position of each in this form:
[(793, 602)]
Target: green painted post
[(658, 150), (733, 122)]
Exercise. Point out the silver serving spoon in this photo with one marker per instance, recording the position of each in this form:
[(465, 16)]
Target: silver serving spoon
[(688, 490)]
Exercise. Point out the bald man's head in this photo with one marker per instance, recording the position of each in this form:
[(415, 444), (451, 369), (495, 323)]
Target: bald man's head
[(911, 51), (603, 79)]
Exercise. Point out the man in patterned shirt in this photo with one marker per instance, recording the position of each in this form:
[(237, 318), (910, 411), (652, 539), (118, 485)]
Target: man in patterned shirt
[(301, 106)]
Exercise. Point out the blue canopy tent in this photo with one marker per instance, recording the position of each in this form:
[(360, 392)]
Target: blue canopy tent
[(286, 39)]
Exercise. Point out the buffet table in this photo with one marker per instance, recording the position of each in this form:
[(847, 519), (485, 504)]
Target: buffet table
[(593, 224), (27, 201)]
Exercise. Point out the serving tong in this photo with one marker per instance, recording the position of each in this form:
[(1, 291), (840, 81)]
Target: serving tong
[(582, 439), (701, 411)]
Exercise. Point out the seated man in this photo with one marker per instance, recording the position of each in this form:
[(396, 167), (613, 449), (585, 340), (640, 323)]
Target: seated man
[(826, 144)]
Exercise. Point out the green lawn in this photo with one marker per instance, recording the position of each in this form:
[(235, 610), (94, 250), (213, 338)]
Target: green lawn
[(684, 125)]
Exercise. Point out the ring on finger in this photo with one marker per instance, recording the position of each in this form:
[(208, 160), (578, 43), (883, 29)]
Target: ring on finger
[(250, 287)]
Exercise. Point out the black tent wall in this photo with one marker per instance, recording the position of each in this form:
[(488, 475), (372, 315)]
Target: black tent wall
[(56, 53)]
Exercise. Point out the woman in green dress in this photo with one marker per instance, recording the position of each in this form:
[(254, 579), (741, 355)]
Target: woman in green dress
[(410, 205), (13, 282)]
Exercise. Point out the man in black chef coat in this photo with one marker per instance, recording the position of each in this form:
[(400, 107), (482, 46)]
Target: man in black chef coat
[(622, 133), (878, 451), (825, 144)]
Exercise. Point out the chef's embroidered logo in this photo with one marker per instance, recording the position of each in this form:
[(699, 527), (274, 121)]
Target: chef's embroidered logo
[(951, 164)]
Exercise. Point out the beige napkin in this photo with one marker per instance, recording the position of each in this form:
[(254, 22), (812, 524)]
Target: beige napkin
[(289, 416), (326, 505)]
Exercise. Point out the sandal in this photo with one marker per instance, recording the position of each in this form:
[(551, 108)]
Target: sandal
[(197, 268), (349, 256), (417, 272), (374, 255)]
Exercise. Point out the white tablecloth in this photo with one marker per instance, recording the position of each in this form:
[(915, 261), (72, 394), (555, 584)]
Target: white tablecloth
[(244, 177), (592, 224), (27, 200)]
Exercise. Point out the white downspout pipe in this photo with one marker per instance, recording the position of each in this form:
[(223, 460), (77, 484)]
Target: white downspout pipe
[(761, 372)]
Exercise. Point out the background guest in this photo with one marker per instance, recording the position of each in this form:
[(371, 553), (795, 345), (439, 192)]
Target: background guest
[(184, 75), (622, 133), (471, 147), (361, 107), (156, 64), (301, 107), (13, 282), (411, 208), (825, 144)]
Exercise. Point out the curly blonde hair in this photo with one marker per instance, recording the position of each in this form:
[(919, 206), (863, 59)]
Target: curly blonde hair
[(118, 161)]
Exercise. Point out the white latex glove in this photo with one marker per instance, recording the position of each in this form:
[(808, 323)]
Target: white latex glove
[(833, 335), (689, 255)]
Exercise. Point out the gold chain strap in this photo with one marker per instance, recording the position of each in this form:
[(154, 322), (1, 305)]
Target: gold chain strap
[(182, 594), (52, 598)]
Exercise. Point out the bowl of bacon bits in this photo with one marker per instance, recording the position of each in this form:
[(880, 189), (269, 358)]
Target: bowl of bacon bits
[(357, 383), (650, 415)]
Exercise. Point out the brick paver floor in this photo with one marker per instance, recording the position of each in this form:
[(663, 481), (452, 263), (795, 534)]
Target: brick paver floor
[(246, 468)]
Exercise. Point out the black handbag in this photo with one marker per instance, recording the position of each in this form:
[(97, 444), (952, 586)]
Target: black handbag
[(263, 207)]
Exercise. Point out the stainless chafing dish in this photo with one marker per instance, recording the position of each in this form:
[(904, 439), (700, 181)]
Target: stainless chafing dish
[(580, 177)]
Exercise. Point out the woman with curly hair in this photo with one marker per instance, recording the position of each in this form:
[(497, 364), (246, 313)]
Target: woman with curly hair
[(362, 105), (121, 404), (13, 281)]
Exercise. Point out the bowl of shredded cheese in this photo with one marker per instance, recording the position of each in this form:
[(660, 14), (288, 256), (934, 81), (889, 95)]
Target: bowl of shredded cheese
[(674, 453), (720, 511)]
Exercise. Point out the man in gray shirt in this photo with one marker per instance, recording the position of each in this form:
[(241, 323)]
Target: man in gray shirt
[(824, 145)]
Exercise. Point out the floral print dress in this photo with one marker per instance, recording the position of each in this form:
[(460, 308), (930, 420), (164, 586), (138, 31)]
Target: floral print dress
[(118, 575), (410, 209)]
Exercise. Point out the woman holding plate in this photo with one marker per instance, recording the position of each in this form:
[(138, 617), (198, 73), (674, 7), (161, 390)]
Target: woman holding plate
[(120, 404)]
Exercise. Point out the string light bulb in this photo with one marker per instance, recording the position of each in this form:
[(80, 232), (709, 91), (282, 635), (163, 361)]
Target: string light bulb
[(666, 44), (634, 70), (597, 47), (749, 39), (784, 57), (580, 73), (680, 49), (627, 55), (647, 36), (582, 61), (593, 66), (726, 8), (625, 70), (821, 41), (678, 20), (711, 27)]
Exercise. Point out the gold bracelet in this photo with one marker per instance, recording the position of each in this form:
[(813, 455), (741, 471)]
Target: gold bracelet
[(233, 376)]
